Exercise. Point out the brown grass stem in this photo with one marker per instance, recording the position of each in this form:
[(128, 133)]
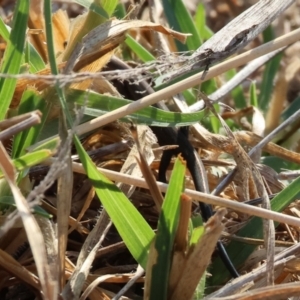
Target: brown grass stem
[(198, 196)]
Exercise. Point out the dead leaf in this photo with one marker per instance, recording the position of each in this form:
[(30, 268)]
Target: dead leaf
[(197, 259)]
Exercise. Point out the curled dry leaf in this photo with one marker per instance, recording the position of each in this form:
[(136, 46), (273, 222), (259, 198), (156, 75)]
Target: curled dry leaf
[(110, 34), (93, 52)]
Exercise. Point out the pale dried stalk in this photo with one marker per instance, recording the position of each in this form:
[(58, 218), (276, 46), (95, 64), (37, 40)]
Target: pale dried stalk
[(188, 83), (17, 124), (64, 197), (139, 273), (244, 163), (277, 292), (239, 32), (293, 118), (233, 286), (226, 88), (201, 197), (94, 284), (197, 259), (33, 232), (86, 257)]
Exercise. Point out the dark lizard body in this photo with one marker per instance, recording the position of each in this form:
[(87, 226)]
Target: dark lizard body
[(172, 136)]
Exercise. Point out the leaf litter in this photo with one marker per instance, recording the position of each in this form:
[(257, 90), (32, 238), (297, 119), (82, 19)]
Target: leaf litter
[(250, 184)]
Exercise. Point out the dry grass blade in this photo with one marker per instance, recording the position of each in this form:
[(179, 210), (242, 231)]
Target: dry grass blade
[(63, 258), (180, 243), (276, 105), (198, 258), (64, 197), (16, 124), (227, 87), (34, 235), (45, 79), (5, 124), (94, 284), (183, 224), (147, 173), (252, 140), (246, 166), (234, 286), (145, 139), (76, 225), (278, 292), (109, 35), (36, 21), (235, 35), (201, 197), (86, 257), (8, 263), (188, 83), (139, 273)]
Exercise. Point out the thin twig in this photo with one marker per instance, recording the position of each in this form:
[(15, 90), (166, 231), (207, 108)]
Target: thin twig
[(202, 197), (226, 88)]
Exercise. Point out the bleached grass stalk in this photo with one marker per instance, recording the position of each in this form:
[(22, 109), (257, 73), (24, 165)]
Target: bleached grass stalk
[(231, 287), (242, 75), (201, 197), (48, 287), (189, 82), (87, 256), (277, 292)]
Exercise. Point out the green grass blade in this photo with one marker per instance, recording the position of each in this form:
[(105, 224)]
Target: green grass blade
[(143, 54), (239, 252), (30, 101), (272, 67), (253, 95), (50, 144), (278, 164), (49, 36), (13, 55), (290, 110), (166, 231), (90, 5), (98, 104), (104, 8), (200, 22), (9, 201), (29, 160), (200, 290), (52, 59), (108, 5), (214, 121), (196, 235), (134, 230), (120, 11), (237, 93), (4, 32), (180, 19), (32, 57)]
